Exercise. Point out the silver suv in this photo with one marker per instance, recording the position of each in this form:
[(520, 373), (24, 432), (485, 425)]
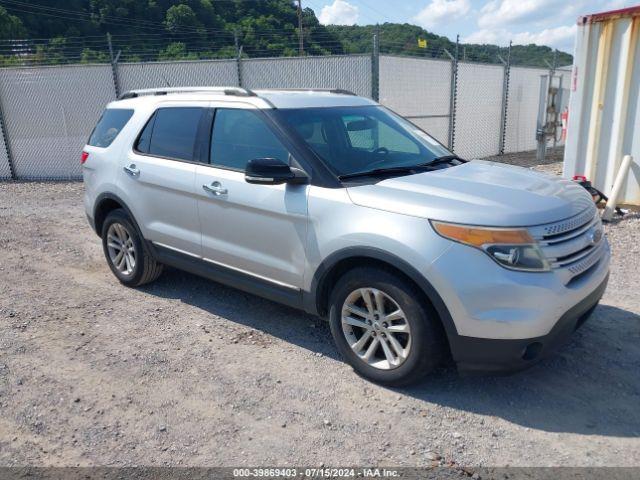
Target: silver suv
[(331, 203)]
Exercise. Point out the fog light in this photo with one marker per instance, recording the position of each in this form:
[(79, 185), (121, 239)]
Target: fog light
[(532, 351)]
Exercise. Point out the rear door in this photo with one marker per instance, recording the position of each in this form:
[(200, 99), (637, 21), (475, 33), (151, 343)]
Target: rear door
[(259, 230), (159, 176)]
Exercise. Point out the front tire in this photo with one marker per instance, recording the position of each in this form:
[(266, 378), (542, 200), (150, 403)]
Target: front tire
[(383, 328), (125, 251)]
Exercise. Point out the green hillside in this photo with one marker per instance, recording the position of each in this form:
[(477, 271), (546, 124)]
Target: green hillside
[(74, 31)]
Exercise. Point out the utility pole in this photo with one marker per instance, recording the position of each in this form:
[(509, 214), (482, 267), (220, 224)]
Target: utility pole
[(300, 34)]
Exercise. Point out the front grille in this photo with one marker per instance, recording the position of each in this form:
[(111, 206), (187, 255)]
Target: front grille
[(573, 245), (569, 224)]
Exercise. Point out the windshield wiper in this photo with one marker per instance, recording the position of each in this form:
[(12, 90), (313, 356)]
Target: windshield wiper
[(404, 169), (443, 159), (381, 171)]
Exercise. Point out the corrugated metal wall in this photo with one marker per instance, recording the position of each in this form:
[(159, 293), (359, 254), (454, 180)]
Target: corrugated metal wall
[(604, 108)]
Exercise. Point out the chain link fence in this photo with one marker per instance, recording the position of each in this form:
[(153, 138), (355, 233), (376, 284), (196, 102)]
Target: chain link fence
[(48, 115), (479, 110), (5, 169), (522, 110), (177, 74), (352, 72), (476, 109), (419, 90)]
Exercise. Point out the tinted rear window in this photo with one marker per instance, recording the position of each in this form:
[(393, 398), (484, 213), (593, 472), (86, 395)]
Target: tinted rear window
[(173, 133), (109, 126)]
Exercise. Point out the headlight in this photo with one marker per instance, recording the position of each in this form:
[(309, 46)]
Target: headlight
[(512, 248)]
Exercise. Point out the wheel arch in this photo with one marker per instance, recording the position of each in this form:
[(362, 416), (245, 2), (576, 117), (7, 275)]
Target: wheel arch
[(338, 263), (105, 203)]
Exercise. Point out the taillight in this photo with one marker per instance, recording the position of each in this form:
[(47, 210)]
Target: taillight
[(83, 157), (579, 178)]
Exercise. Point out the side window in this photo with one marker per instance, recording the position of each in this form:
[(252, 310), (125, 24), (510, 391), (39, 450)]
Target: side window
[(172, 133), (241, 135), (144, 140), (111, 122)]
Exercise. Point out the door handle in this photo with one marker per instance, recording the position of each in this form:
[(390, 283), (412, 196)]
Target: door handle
[(216, 188), (132, 170)]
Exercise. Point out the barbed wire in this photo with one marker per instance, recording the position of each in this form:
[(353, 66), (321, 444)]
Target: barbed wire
[(157, 43)]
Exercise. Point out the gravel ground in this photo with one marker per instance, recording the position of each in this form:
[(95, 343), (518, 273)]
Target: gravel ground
[(528, 159), (189, 372)]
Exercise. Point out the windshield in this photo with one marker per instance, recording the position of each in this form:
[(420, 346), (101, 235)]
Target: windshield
[(361, 139)]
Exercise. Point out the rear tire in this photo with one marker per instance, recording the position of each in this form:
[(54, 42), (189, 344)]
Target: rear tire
[(126, 253), (369, 305)]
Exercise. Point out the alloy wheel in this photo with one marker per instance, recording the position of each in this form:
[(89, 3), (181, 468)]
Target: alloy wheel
[(376, 328), (122, 251)]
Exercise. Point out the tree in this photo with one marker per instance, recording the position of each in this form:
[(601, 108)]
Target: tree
[(176, 51), (182, 19), (147, 29), (52, 53), (11, 27), (93, 56)]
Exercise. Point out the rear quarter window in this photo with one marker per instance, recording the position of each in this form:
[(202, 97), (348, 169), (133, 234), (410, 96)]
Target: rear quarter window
[(109, 126)]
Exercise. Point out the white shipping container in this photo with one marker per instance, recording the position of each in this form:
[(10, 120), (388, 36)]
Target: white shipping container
[(604, 108)]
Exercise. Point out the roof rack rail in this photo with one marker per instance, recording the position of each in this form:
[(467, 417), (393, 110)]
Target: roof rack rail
[(338, 91), (342, 91), (236, 91)]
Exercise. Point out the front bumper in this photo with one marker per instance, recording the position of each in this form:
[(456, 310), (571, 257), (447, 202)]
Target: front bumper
[(488, 301), (92, 223), (486, 355)]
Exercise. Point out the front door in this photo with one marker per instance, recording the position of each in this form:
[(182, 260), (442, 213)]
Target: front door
[(258, 230)]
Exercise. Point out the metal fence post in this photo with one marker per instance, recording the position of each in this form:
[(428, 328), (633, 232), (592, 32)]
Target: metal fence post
[(238, 57), (453, 95), (7, 146), (375, 66), (505, 100), (114, 66)]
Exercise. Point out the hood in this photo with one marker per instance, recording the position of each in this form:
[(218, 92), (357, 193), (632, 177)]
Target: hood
[(478, 193)]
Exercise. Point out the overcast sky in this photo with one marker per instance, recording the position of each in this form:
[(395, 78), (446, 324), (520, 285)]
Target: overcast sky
[(544, 22)]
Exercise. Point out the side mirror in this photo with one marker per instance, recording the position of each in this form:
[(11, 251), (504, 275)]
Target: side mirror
[(271, 171)]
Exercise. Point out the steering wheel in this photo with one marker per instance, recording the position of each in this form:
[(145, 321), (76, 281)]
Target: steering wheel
[(382, 150)]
